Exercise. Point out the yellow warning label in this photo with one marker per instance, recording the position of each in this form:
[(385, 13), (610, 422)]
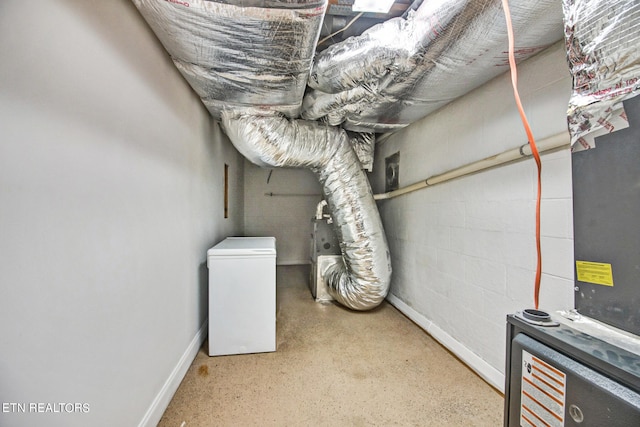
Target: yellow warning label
[(598, 273)]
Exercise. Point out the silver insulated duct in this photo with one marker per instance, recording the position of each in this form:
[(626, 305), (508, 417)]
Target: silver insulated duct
[(240, 53), (249, 61), (361, 281), (602, 38), (403, 69)]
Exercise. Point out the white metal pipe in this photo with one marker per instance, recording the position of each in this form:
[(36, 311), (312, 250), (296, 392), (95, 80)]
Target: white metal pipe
[(292, 194), (555, 142), (320, 208)]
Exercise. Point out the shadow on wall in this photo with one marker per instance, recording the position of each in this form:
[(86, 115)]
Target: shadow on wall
[(203, 291), (96, 94), (104, 19)]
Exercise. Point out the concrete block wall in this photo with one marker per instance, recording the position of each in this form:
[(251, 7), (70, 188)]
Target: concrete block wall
[(463, 252), (287, 214)]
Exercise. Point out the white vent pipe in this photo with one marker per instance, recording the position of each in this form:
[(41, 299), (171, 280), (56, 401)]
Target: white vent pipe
[(555, 142)]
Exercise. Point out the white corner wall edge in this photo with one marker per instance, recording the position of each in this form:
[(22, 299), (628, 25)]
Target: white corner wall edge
[(487, 372), (164, 396)]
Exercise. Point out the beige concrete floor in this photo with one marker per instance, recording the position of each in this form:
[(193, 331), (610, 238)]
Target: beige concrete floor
[(334, 367)]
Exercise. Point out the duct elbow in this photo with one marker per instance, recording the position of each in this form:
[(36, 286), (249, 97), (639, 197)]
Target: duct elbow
[(359, 292), (361, 281)]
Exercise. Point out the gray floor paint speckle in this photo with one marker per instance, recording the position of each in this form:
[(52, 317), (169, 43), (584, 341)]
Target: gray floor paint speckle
[(334, 367)]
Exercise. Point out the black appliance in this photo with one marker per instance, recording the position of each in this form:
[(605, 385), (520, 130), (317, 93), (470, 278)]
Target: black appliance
[(561, 372), (573, 370)]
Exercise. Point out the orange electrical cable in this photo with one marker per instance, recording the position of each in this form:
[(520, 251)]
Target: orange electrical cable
[(532, 143)]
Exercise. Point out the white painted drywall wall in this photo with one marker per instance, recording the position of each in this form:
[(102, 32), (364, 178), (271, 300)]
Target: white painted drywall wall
[(463, 252), (287, 214), (111, 191)]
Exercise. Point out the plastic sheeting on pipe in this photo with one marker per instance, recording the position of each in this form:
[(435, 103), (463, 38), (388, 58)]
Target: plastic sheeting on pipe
[(401, 70), (239, 53), (361, 282), (602, 41)]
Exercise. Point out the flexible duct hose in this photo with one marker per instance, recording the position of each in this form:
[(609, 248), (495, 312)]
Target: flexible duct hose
[(361, 282), (401, 70)]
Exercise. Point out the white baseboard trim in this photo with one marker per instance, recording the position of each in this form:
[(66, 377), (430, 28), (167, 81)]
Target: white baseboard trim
[(487, 372), (164, 396)]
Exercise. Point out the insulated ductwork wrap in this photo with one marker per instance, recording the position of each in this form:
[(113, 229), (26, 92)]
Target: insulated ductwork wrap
[(361, 281), (602, 39), (239, 53), (249, 61), (403, 69), (364, 146)]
